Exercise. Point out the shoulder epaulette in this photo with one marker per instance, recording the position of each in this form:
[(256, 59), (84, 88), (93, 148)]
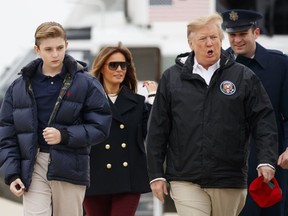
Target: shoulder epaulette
[(278, 52)]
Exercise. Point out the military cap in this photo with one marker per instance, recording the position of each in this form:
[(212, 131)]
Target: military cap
[(240, 20)]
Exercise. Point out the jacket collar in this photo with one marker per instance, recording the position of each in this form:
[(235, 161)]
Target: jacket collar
[(261, 56), (186, 61)]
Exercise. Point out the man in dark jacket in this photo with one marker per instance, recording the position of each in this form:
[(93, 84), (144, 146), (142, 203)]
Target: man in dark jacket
[(49, 119), (205, 110), (271, 66)]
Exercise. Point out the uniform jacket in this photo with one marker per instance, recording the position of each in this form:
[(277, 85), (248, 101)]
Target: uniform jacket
[(83, 116), (271, 66), (118, 165), (203, 131)]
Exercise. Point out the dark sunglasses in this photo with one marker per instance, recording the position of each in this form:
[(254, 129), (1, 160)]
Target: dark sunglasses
[(115, 65)]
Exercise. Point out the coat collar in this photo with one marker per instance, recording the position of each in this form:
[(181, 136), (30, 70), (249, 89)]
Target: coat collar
[(126, 101), (261, 56)]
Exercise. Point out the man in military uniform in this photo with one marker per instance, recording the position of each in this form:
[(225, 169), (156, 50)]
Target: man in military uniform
[(272, 68)]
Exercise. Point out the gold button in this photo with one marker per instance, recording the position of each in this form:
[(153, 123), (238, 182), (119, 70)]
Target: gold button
[(109, 166), (107, 146), (122, 126), (123, 145), (125, 164)]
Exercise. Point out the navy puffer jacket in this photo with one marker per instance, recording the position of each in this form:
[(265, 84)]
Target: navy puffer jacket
[(84, 117)]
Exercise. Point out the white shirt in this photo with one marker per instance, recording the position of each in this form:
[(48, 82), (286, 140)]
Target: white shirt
[(205, 74)]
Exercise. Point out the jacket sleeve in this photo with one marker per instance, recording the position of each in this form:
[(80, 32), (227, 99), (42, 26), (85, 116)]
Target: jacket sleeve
[(9, 149), (284, 103), (96, 119), (145, 116), (262, 121), (158, 131)]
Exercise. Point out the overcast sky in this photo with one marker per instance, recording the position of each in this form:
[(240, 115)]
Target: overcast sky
[(20, 18)]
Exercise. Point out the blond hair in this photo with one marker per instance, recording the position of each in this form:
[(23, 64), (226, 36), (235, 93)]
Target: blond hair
[(198, 23), (49, 30)]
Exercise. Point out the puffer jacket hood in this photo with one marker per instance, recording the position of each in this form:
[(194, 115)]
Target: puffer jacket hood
[(70, 63)]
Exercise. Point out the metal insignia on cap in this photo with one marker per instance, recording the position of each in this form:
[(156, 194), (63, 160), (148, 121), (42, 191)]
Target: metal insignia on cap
[(233, 16)]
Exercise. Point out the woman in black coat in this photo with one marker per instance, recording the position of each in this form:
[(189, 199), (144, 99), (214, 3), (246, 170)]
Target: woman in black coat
[(118, 165)]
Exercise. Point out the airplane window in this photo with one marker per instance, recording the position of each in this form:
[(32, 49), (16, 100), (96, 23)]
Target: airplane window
[(160, 2), (147, 61), (81, 55)]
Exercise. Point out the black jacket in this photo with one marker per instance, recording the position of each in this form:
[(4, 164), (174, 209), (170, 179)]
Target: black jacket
[(83, 117), (119, 164), (203, 131)]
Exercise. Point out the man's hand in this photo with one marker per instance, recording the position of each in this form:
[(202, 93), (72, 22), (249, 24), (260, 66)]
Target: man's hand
[(17, 187), (52, 136), (159, 188), (267, 172), (283, 159)]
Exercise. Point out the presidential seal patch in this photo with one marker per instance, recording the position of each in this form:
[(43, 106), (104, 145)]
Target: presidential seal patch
[(227, 87)]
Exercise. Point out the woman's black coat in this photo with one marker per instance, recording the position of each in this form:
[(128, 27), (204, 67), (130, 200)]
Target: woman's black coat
[(118, 165)]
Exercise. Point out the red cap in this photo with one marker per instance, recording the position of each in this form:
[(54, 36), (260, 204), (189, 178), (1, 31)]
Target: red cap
[(265, 194)]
